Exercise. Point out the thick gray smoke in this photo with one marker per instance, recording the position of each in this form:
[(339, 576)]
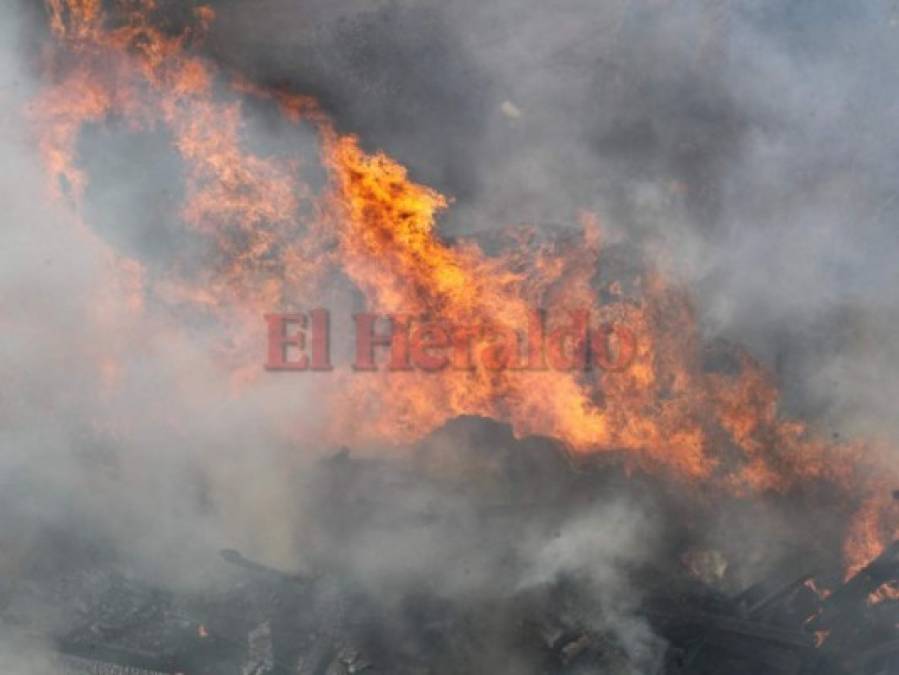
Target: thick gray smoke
[(749, 141), (747, 146)]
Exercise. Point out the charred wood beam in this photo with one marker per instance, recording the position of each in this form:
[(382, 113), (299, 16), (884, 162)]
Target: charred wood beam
[(117, 656), (702, 624), (882, 569), (74, 665), (779, 594), (849, 599), (236, 558)]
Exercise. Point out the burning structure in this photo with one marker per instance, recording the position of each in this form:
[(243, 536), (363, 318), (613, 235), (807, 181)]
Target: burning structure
[(671, 515)]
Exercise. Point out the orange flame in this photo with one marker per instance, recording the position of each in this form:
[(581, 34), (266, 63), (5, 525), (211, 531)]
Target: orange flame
[(276, 242), (888, 591)]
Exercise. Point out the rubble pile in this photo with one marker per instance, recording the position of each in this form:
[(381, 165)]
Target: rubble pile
[(677, 612)]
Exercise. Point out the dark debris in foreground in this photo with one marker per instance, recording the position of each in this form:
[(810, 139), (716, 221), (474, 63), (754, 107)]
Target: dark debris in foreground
[(266, 621)]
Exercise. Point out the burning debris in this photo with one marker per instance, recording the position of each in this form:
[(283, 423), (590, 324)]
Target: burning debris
[(261, 620), (272, 240), (507, 507)]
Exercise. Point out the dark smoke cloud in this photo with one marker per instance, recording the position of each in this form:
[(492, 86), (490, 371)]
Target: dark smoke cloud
[(750, 140)]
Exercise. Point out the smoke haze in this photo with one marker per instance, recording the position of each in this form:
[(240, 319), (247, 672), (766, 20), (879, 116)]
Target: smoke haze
[(746, 148)]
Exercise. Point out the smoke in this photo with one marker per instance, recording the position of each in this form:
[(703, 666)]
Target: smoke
[(126, 447), (746, 147), (596, 547), (19, 654), (747, 144), (153, 474)]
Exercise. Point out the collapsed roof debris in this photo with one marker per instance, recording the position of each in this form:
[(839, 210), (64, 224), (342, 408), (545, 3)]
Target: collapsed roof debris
[(266, 621)]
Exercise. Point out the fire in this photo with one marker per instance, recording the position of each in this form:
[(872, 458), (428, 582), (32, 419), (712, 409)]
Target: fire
[(888, 591), (874, 523), (822, 593), (275, 243)]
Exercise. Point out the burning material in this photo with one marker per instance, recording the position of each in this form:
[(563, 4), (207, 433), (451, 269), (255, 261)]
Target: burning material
[(258, 619), (276, 231), (887, 591), (275, 241)]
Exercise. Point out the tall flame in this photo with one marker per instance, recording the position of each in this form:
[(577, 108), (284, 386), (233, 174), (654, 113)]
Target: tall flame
[(276, 242)]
